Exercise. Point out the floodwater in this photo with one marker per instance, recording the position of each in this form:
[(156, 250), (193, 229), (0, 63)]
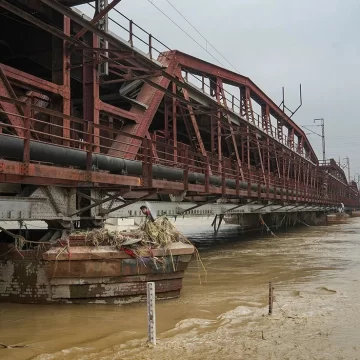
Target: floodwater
[(315, 272)]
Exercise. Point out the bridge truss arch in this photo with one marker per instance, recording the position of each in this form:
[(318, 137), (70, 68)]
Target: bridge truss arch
[(88, 142)]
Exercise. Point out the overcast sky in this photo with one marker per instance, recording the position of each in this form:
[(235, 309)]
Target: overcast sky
[(276, 43)]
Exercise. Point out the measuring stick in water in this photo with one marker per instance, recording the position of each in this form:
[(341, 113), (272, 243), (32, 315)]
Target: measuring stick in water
[(271, 298), (151, 312)]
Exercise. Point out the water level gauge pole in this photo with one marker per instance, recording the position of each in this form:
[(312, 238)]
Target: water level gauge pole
[(271, 298), (151, 312)]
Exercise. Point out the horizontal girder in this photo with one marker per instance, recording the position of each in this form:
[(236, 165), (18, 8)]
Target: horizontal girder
[(48, 207)]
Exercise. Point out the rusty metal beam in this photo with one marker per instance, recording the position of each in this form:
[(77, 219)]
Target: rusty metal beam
[(129, 202), (97, 17), (174, 123), (178, 97), (130, 77), (117, 112), (66, 84), (188, 128), (195, 125), (151, 97), (57, 175), (64, 116), (14, 112), (128, 68), (30, 81), (235, 146), (100, 202), (91, 93), (153, 147)]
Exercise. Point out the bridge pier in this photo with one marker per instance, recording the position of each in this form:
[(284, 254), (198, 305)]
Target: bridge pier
[(277, 220), (218, 219)]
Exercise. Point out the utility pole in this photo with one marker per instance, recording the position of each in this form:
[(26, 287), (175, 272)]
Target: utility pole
[(357, 180), (348, 166), (322, 135)]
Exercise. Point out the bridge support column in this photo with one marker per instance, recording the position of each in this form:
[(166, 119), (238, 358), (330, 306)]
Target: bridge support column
[(216, 224)]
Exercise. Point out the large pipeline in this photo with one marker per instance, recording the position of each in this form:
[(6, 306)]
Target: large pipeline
[(12, 148)]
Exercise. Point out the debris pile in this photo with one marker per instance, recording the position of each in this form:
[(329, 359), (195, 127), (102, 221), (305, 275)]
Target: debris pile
[(151, 234), (158, 234)]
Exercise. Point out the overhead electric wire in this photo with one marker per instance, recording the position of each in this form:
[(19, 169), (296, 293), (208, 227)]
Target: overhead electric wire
[(179, 27), (207, 41)]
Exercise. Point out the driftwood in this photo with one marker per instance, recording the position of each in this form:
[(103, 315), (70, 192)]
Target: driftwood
[(12, 346)]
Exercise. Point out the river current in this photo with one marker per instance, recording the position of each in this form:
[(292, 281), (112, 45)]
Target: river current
[(222, 314)]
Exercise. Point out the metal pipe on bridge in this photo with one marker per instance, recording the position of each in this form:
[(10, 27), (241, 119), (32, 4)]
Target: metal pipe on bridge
[(13, 148)]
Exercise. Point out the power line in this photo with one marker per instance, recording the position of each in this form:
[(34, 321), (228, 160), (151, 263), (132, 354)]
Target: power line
[(208, 42), (179, 27)]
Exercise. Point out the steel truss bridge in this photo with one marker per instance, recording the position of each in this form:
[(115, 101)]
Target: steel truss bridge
[(92, 122)]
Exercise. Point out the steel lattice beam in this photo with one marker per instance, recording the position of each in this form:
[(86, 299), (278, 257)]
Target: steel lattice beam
[(97, 17)]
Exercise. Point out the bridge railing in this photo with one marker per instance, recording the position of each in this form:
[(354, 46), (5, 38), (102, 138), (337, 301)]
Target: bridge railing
[(136, 35), (71, 132)]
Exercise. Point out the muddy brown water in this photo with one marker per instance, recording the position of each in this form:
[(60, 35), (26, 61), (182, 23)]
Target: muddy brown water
[(315, 272)]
